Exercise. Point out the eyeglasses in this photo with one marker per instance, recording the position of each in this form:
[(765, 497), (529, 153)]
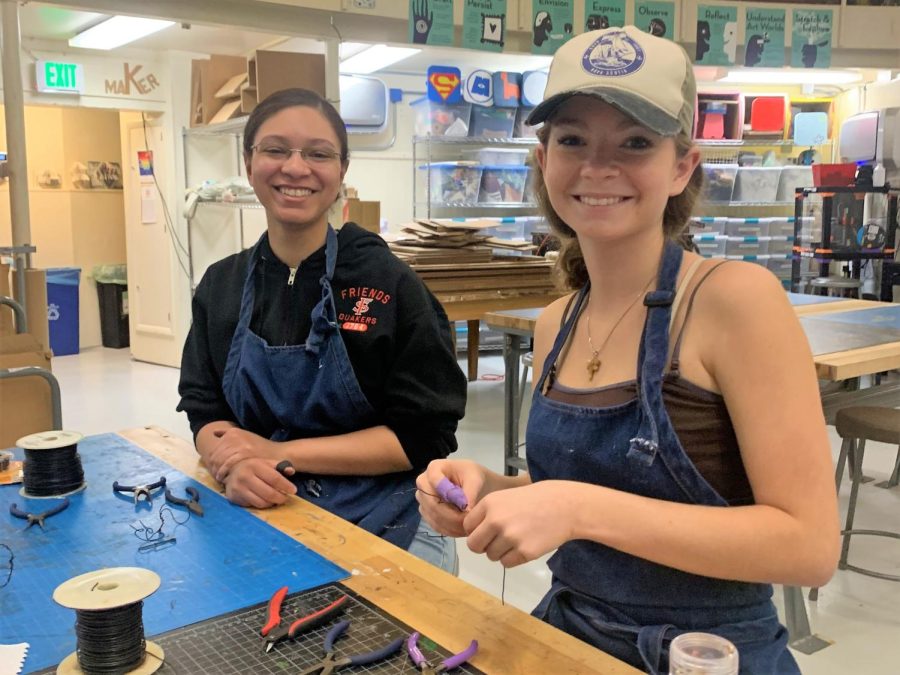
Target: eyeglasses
[(280, 154)]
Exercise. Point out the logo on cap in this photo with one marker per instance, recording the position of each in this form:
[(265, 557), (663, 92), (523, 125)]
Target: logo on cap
[(612, 55)]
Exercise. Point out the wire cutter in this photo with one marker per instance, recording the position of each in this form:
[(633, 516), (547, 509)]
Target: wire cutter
[(192, 504), (331, 663), (38, 518), (145, 491), (274, 632), (451, 662)]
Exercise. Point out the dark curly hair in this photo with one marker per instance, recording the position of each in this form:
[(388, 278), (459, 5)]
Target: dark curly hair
[(571, 271)]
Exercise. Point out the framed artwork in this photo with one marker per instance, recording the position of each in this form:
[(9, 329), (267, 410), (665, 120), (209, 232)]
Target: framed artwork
[(105, 175)]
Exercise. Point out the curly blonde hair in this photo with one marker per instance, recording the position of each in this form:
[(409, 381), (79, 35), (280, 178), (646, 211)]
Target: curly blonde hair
[(571, 272)]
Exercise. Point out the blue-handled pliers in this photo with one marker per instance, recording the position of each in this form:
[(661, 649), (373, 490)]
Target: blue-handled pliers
[(330, 663)]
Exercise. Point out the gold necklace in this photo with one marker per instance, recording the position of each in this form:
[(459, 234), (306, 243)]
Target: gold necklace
[(593, 364)]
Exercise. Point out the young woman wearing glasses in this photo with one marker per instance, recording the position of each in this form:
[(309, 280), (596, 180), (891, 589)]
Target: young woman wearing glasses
[(319, 347)]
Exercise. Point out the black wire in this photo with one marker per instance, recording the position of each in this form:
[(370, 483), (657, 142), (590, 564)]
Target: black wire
[(9, 566), (111, 640), (52, 472)]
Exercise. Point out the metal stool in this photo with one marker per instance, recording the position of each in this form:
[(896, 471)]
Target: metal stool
[(856, 425), (842, 286)]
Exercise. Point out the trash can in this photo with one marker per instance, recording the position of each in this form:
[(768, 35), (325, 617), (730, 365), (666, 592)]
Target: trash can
[(112, 292), (62, 309)]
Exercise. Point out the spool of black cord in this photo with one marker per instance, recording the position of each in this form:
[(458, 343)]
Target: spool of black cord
[(109, 623), (52, 466)]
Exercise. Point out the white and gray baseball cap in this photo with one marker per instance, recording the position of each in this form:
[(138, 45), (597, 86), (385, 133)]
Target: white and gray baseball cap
[(648, 78)]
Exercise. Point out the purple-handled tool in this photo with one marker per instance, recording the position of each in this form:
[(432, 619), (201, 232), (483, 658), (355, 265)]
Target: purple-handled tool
[(451, 662), (450, 492)]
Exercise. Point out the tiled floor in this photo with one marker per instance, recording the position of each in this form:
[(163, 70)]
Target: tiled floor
[(104, 390)]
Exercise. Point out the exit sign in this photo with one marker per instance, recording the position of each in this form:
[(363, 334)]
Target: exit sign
[(59, 77)]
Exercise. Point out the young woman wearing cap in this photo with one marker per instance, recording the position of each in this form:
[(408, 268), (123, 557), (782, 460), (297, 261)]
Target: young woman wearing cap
[(319, 347), (677, 453)]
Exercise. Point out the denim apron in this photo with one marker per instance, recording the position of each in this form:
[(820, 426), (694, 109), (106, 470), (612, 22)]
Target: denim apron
[(309, 391), (625, 605)]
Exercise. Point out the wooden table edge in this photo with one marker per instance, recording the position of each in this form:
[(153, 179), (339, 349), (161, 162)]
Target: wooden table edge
[(415, 592)]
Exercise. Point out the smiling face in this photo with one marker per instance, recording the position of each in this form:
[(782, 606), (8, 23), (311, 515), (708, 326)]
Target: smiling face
[(607, 176), (295, 192)]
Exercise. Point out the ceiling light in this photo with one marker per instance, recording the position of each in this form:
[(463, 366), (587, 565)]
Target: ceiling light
[(375, 58), (790, 76), (117, 31)]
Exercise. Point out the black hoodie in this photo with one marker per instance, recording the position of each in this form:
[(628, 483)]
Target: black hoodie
[(396, 333)]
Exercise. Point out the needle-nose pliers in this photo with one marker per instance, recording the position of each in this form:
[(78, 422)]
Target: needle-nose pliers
[(38, 518)]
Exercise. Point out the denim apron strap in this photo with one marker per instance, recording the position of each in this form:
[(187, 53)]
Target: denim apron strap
[(324, 314), (643, 447), (650, 646), (563, 335)]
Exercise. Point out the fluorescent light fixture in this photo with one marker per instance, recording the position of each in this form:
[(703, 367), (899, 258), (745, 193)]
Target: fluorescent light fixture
[(117, 31), (375, 58), (790, 76)]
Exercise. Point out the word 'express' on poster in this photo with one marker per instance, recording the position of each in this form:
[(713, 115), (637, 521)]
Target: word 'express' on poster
[(431, 22), (811, 38), (764, 35), (656, 18), (716, 35), (603, 14), (484, 24), (551, 25)]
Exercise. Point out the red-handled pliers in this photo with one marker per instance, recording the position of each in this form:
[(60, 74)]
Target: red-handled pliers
[(274, 632)]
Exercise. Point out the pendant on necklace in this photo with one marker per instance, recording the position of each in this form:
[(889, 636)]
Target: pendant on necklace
[(593, 365)]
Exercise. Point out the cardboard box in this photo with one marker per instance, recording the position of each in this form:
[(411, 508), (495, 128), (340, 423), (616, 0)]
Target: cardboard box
[(36, 306), (25, 401), (208, 76), (365, 214), (273, 71)]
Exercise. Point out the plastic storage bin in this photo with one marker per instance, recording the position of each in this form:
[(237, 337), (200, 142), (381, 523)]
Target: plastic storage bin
[(745, 247), (780, 267), (453, 182), (492, 122), (756, 184), (441, 119), (502, 183), (747, 227), (781, 245), (707, 225), (833, 175), (793, 177), (498, 156), (62, 309), (112, 292), (781, 227), (711, 245), (509, 228), (719, 182), (521, 129)]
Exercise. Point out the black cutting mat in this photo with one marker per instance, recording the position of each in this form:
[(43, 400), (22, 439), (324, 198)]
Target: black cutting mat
[(231, 643)]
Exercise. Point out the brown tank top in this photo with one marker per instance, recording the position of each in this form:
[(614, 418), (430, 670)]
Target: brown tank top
[(699, 416)]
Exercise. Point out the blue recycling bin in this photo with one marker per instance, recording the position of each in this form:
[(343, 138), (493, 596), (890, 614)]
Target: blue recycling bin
[(62, 309)]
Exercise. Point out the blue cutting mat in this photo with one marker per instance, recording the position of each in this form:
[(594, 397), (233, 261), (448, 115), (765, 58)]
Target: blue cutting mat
[(799, 299), (221, 562), (877, 317)]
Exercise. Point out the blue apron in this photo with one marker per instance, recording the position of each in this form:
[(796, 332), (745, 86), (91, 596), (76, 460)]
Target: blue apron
[(309, 391), (625, 605)]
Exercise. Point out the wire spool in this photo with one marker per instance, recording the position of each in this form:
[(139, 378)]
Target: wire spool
[(52, 465), (109, 623)]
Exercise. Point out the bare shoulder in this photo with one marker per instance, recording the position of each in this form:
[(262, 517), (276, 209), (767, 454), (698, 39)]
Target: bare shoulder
[(739, 291)]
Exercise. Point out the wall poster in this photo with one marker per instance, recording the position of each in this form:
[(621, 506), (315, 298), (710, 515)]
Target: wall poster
[(431, 22), (551, 24), (716, 35), (811, 38), (603, 14), (655, 17), (764, 35), (484, 24)]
